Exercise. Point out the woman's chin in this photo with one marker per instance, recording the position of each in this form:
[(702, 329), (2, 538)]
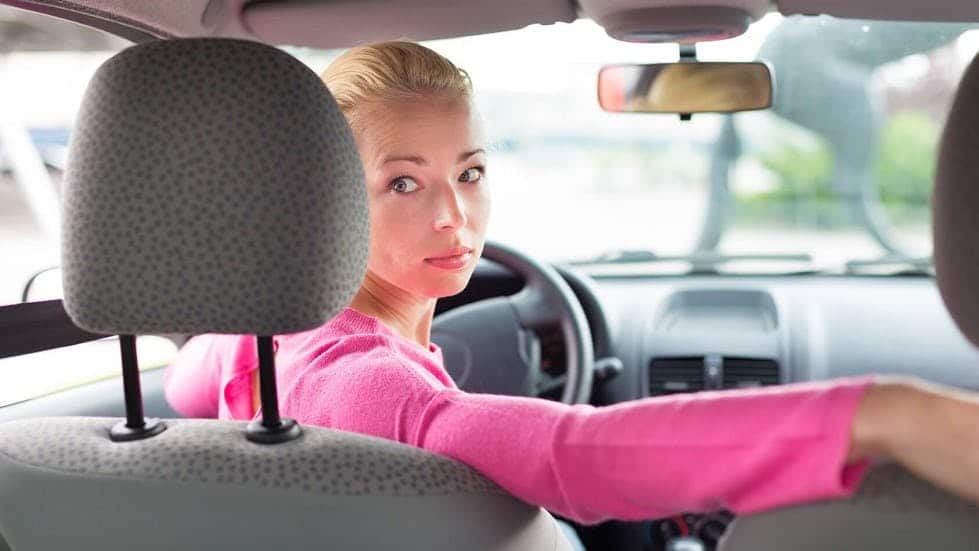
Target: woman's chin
[(448, 286)]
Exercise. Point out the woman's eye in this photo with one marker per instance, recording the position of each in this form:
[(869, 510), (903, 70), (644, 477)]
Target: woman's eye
[(472, 175), (403, 185)]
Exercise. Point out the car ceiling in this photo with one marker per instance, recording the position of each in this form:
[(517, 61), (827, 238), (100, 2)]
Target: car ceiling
[(342, 23)]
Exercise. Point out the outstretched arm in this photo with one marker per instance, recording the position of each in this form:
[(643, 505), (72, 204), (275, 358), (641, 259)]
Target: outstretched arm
[(745, 450)]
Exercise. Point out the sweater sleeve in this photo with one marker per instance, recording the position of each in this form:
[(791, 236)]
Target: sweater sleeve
[(190, 382), (743, 450), (211, 377)]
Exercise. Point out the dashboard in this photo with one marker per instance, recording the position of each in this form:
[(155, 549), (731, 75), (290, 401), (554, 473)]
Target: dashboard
[(689, 333), (810, 327), (791, 328)]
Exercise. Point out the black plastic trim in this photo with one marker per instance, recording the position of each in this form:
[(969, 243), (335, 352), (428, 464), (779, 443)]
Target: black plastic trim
[(38, 326)]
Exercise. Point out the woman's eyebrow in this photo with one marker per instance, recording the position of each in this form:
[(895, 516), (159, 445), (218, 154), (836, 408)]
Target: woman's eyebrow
[(468, 154), (418, 160), (410, 158)]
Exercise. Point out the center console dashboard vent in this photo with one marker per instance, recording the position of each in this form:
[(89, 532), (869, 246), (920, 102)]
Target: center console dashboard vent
[(748, 372), (696, 373), (674, 375)]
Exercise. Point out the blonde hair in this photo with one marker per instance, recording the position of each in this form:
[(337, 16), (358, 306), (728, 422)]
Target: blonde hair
[(389, 71)]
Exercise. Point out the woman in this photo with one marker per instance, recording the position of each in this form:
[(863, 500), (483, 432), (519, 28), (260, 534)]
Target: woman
[(373, 370)]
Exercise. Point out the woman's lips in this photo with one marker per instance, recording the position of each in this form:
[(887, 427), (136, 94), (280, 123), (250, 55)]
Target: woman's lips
[(455, 259)]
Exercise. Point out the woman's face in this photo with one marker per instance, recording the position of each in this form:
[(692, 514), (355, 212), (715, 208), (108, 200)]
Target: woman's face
[(426, 187)]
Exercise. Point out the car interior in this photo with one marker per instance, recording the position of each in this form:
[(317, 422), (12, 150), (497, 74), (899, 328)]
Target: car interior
[(202, 143)]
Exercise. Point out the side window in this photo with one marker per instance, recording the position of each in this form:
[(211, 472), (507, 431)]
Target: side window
[(44, 69)]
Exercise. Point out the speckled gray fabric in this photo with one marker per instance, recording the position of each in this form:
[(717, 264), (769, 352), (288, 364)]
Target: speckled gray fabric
[(890, 487), (201, 485), (955, 208), (212, 186), (892, 510), (321, 461)]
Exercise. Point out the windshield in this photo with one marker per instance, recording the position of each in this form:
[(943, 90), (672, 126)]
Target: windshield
[(839, 169)]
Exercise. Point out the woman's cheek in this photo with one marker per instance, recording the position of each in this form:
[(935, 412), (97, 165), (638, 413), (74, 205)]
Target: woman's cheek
[(482, 210), (391, 226), (380, 230)]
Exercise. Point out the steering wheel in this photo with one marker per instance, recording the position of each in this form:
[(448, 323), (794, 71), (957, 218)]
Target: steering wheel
[(492, 345)]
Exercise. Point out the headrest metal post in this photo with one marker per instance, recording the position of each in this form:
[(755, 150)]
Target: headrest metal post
[(266, 373), (135, 427), (271, 429)]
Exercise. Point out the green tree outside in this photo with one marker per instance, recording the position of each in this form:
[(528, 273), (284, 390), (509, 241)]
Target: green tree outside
[(903, 174)]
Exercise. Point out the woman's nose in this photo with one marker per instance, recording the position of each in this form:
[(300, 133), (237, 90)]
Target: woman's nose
[(451, 211)]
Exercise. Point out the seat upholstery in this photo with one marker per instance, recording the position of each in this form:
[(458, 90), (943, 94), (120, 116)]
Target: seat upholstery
[(893, 509), (955, 208), (214, 186), (201, 485)]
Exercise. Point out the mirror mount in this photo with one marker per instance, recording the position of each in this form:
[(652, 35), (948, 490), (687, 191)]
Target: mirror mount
[(688, 54), (684, 24)]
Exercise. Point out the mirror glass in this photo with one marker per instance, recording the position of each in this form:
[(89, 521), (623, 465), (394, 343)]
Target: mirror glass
[(685, 87)]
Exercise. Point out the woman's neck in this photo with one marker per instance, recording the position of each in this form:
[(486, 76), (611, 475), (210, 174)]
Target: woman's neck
[(408, 315)]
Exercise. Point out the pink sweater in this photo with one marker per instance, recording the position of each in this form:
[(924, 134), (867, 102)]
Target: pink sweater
[(744, 450)]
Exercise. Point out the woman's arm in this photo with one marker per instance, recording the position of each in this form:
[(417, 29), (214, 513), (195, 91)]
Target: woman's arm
[(193, 381), (744, 450), (930, 429)]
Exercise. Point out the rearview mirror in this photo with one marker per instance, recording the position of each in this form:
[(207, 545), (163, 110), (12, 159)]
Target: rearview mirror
[(685, 87)]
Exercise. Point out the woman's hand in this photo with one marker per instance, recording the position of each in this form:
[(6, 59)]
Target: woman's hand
[(932, 430)]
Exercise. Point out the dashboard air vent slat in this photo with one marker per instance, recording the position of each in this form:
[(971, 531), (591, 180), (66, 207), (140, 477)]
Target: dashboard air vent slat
[(675, 375), (693, 374), (748, 373)]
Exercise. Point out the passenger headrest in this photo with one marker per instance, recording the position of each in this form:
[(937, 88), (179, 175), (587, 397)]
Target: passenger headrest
[(213, 185), (955, 208)]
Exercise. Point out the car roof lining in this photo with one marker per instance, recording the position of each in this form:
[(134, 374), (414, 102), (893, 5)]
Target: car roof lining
[(301, 23), (898, 10), (307, 23), (132, 29)]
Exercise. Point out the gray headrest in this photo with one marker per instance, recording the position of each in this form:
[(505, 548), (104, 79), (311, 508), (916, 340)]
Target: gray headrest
[(212, 186), (955, 208)]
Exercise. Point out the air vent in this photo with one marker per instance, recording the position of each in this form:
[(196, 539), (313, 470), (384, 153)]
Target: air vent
[(693, 374), (675, 375), (748, 373)]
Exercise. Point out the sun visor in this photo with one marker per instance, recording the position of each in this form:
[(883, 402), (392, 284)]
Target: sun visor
[(347, 23)]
